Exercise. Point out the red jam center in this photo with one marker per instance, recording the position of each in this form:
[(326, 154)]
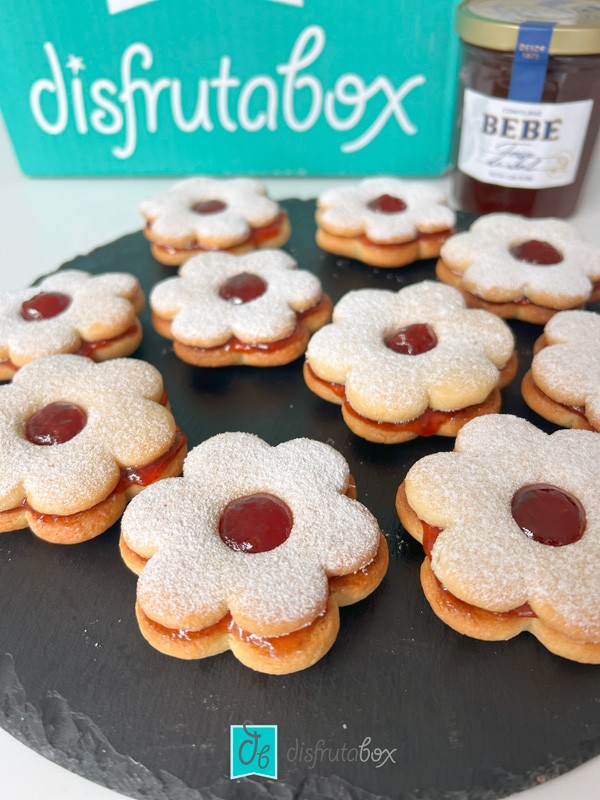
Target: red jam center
[(412, 340), (242, 288), (387, 204), (45, 305), (536, 252), (209, 206), (548, 515), (55, 423), (255, 524)]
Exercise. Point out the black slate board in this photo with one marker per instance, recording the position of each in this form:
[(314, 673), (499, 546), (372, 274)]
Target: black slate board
[(466, 718)]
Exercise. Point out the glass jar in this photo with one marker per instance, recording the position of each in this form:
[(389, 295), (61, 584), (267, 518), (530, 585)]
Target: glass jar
[(528, 109)]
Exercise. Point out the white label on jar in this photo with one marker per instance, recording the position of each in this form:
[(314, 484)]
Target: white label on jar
[(530, 145)]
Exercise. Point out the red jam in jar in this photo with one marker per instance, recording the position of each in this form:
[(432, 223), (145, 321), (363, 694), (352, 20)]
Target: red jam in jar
[(528, 105)]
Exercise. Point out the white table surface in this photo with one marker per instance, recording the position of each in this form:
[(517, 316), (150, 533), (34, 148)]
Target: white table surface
[(44, 222)]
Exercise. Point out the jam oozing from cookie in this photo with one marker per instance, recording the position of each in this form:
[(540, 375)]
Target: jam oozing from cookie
[(387, 204), (45, 305), (412, 340), (55, 424), (548, 515), (430, 535), (243, 288), (150, 473), (209, 206), (536, 252), (255, 523)]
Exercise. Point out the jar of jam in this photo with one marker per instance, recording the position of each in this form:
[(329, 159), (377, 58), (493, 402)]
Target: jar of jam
[(528, 105)]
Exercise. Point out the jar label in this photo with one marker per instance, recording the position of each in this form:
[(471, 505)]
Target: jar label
[(530, 145)]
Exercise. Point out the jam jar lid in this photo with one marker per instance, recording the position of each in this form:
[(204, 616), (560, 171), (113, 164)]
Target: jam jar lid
[(494, 24)]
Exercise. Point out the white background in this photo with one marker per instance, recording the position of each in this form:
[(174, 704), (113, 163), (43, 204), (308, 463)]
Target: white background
[(45, 222)]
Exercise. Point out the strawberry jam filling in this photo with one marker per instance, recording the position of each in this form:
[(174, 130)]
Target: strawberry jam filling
[(243, 288), (208, 207), (336, 388), (255, 524), (56, 423), (130, 476), (387, 204), (536, 252), (150, 473), (234, 345), (430, 534), (257, 237), (548, 515), (412, 340), (85, 348), (436, 236), (276, 645), (45, 305), (427, 424)]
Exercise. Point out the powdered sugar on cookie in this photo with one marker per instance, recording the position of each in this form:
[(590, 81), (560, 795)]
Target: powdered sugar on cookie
[(202, 317), (486, 258), (125, 425), (461, 369), (482, 555), (215, 213), (193, 578), (568, 368), (352, 211), (92, 308)]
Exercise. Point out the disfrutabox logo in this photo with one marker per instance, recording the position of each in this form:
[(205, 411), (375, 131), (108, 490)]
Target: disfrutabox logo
[(70, 96)]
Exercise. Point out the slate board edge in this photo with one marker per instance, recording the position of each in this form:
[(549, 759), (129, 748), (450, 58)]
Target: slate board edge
[(73, 741)]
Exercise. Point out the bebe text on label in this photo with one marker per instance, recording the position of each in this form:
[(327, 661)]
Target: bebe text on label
[(522, 129), (113, 107)]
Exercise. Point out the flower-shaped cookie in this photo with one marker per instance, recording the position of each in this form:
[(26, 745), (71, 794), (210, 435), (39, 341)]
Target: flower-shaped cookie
[(409, 363), (78, 439), (563, 384), (521, 268), (384, 222), (255, 558), (254, 309), (70, 312), (213, 214), (510, 524)]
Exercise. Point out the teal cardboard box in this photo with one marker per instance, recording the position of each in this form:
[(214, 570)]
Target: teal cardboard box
[(267, 87)]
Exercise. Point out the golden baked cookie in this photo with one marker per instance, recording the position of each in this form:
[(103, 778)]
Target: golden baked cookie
[(410, 363), (199, 214), (78, 440), (510, 525), (563, 384), (253, 550), (384, 222), (521, 268), (70, 311), (256, 309)]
